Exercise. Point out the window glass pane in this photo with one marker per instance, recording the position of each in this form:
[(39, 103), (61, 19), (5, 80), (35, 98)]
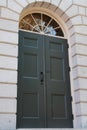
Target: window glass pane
[(41, 23)]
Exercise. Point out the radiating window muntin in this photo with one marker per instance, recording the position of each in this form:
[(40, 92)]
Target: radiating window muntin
[(41, 23)]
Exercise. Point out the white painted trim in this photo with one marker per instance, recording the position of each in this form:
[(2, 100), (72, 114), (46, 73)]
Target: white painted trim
[(42, 34)]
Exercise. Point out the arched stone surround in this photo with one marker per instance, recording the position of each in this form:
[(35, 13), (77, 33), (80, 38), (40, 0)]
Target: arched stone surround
[(72, 17)]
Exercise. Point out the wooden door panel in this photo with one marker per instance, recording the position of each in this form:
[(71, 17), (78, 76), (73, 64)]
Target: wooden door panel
[(58, 102), (31, 66), (30, 109), (30, 91), (44, 104), (56, 65), (58, 87)]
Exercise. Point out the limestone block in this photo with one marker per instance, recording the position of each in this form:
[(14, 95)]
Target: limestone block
[(78, 109), (10, 37), (22, 2), (30, 1), (65, 4), (72, 30), (69, 24), (7, 122), (80, 83), (82, 10), (45, 5), (64, 17), (81, 122), (76, 20), (77, 96), (39, 1), (78, 38), (55, 2), (72, 40), (37, 4), (8, 90), (80, 72), (74, 61), (6, 13), (81, 96), (81, 29), (72, 11), (47, 1), (3, 3), (79, 60), (84, 121), (78, 123), (8, 49), (80, 2), (8, 105), (83, 108), (7, 76), (14, 6), (75, 73), (8, 62), (59, 12), (52, 7), (79, 49), (9, 25), (84, 19)]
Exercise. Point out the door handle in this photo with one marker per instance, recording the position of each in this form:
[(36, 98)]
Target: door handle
[(41, 78)]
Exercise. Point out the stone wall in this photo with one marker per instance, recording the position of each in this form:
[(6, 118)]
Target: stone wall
[(73, 14)]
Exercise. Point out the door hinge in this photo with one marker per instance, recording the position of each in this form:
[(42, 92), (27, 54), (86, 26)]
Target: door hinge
[(71, 98), (72, 116), (69, 69), (67, 45)]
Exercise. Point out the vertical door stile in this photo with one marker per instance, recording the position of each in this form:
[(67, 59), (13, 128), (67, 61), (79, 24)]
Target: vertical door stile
[(57, 82), (45, 120), (30, 91)]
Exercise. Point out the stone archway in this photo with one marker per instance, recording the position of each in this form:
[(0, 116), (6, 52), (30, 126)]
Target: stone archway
[(49, 9), (28, 15)]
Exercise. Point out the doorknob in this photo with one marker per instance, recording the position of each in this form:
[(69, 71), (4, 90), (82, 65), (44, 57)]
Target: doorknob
[(41, 78)]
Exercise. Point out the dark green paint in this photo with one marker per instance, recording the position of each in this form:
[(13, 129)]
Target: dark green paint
[(43, 82)]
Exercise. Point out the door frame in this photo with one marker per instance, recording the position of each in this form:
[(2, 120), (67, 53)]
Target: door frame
[(43, 47)]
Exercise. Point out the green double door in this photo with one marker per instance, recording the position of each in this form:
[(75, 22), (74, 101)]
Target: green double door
[(44, 99)]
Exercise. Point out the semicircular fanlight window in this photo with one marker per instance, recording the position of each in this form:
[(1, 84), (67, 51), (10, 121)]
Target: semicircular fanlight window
[(41, 23)]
